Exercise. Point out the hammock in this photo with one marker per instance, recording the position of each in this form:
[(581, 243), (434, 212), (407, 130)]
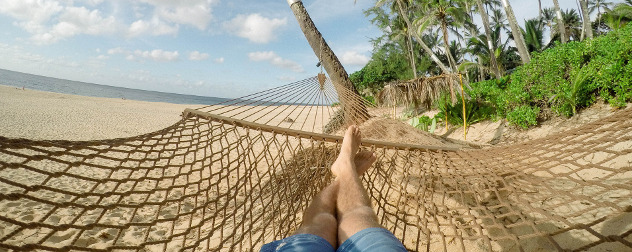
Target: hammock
[(233, 176)]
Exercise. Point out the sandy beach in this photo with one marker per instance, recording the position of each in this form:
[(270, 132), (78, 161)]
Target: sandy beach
[(42, 115)]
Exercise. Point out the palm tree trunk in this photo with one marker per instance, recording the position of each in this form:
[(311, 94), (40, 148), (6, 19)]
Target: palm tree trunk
[(490, 43), (540, 8), (420, 41), (412, 55), (587, 24), (560, 22), (446, 42), (517, 33), (354, 109), (599, 20), (481, 74)]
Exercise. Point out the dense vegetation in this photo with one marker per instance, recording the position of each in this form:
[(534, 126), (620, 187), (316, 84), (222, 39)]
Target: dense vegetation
[(563, 79), (524, 84)]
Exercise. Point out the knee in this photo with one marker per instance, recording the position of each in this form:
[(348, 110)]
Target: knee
[(364, 212), (326, 219), (364, 215), (319, 222)]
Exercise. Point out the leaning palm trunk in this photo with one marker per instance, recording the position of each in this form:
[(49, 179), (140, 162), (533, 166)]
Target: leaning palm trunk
[(420, 41), (444, 28), (517, 33), (560, 22), (488, 34), (354, 109), (412, 55), (587, 24)]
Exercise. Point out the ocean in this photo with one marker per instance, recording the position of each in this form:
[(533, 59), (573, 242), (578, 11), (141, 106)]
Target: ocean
[(42, 83)]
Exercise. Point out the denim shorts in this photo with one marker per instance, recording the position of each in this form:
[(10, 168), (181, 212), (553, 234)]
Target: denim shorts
[(370, 239)]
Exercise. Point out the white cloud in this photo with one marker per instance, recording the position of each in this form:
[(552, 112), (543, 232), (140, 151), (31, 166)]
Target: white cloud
[(354, 58), (93, 2), (79, 20), (155, 55), (35, 17), (197, 13), (33, 13), (254, 27), (49, 21), (153, 27), (219, 60), (117, 50), (275, 60), (197, 56)]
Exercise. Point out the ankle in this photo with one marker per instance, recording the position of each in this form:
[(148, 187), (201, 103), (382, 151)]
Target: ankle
[(349, 173)]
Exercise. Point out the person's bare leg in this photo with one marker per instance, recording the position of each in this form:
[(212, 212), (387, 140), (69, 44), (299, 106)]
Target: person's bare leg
[(353, 204), (320, 216)]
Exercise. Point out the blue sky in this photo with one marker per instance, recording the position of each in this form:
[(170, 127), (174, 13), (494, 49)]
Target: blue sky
[(204, 47)]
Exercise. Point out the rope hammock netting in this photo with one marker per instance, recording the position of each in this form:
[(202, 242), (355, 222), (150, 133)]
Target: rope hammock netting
[(233, 176)]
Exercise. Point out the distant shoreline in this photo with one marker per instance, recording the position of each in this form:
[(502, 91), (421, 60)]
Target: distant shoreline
[(62, 86), (63, 95)]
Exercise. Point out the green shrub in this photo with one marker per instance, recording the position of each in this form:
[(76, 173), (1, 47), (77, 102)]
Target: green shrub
[(573, 94), (565, 78), (491, 93), (474, 111), (524, 116), (425, 123)]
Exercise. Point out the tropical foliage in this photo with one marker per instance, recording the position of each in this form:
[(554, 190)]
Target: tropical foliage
[(428, 38), (563, 79)]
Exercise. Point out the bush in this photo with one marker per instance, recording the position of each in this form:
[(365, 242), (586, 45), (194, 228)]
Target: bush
[(425, 123), (565, 78), (492, 94), (523, 116), (474, 111)]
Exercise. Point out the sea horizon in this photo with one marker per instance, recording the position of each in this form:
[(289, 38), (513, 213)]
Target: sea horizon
[(63, 86)]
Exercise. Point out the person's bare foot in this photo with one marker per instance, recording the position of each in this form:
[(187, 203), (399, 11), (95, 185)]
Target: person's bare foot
[(350, 144), (363, 160)]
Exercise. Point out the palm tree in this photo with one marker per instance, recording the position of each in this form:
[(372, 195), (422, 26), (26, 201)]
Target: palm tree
[(587, 25), (401, 33), (488, 34), (560, 22), (433, 40), (623, 11), (499, 20), (505, 55), (598, 5), (572, 24), (515, 30), (442, 13), (548, 15), (534, 35), (395, 31), (427, 50)]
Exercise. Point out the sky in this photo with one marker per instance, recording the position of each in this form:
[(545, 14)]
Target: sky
[(220, 48)]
